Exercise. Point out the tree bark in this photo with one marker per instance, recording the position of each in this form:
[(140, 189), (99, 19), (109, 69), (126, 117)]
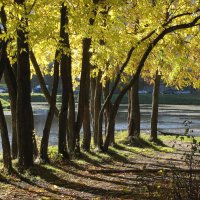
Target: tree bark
[(3, 126), (110, 130), (86, 114), (134, 120), (86, 125), (46, 132), (84, 90), (12, 89), (5, 141), (67, 92), (71, 118), (154, 114), (97, 106), (108, 110), (24, 109), (92, 93)]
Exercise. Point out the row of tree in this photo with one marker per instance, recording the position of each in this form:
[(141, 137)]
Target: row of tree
[(97, 42)]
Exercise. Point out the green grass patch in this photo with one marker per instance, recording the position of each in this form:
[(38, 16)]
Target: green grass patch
[(186, 138), (124, 150), (143, 145), (5, 104)]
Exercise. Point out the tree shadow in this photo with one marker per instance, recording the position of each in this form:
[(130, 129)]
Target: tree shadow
[(3, 179), (22, 184), (159, 159), (95, 178), (49, 176), (93, 153), (141, 143), (116, 156), (86, 158)]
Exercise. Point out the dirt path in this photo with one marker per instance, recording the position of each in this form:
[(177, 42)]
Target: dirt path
[(125, 175)]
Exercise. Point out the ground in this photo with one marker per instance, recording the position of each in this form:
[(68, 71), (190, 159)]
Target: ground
[(150, 171)]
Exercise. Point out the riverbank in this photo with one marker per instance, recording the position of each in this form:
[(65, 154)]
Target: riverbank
[(168, 99), (150, 171)]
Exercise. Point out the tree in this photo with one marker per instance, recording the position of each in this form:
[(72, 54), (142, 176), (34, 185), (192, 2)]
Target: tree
[(154, 114), (4, 62), (46, 132), (5, 141), (152, 44), (67, 92), (134, 113), (24, 109)]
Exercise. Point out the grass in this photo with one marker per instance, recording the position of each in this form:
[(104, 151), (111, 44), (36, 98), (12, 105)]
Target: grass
[(122, 149), (5, 104), (178, 138)]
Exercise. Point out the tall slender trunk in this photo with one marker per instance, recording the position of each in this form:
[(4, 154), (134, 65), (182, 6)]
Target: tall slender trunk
[(3, 126), (110, 129), (46, 132), (71, 119), (24, 109), (12, 89), (154, 114), (97, 105), (92, 89), (83, 106), (67, 92), (107, 113), (5, 141), (86, 114), (10, 78), (86, 126), (41, 80), (129, 105), (134, 120), (84, 90)]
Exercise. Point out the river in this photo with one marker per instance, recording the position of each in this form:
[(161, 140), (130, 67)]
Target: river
[(171, 118)]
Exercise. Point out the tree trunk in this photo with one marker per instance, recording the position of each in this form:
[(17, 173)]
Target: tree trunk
[(41, 80), (107, 112), (24, 109), (86, 126), (12, 89), (46, 132), (83, 105), (67, 92), (5, 141), (84, 90), (3, 126), (154, 114), (92, 93), (110, 129), (86, 114), (134, 120), (71, 119), (10, 78), (97, 106)]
